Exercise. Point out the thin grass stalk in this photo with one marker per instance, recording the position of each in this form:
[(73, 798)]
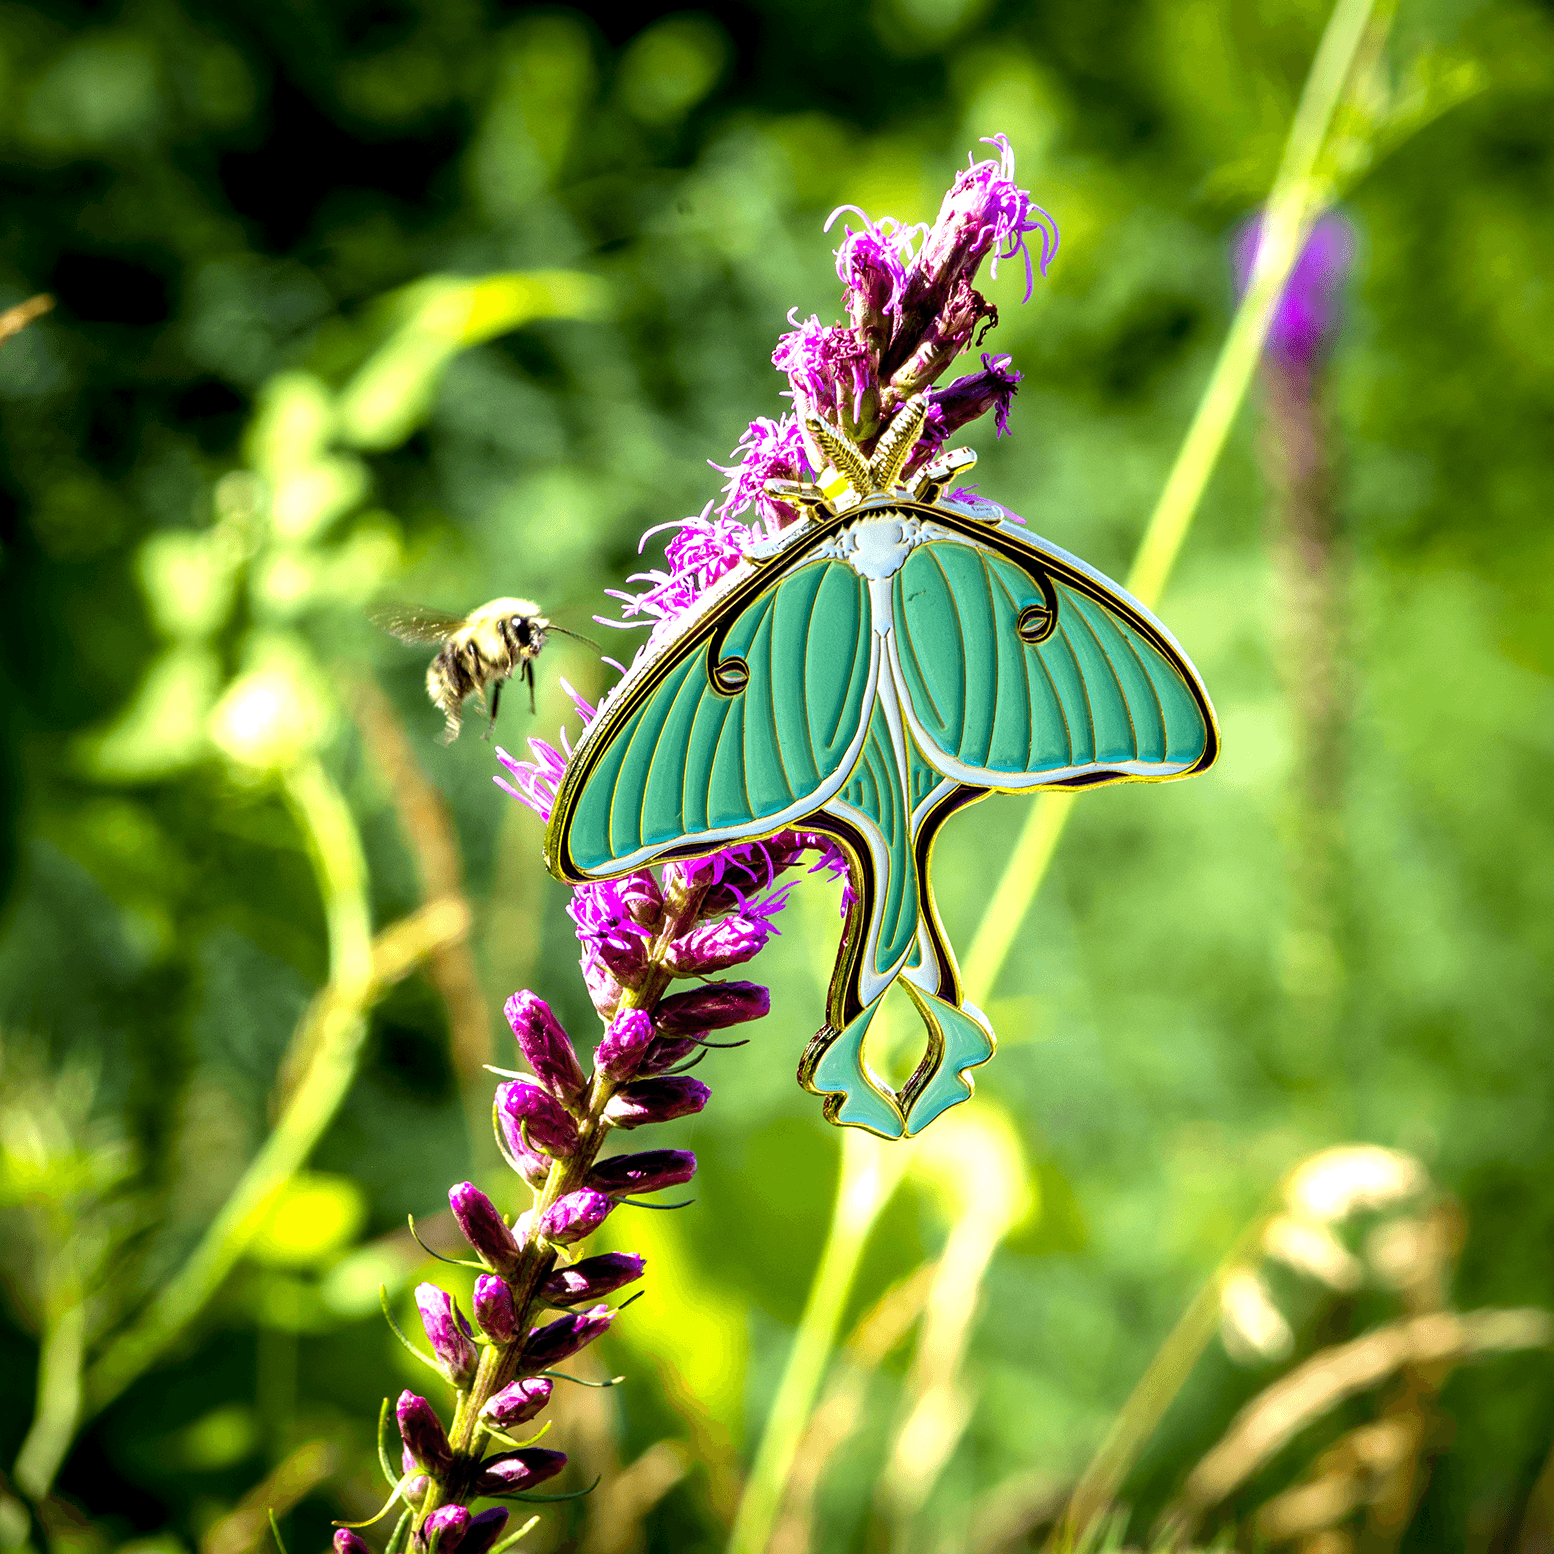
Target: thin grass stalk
[(334, 845), (871, 1171), (1299, 194)]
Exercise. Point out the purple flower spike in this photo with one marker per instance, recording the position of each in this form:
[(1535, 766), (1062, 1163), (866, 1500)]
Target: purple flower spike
[(483, 1227), (656, 1100), (526, 1109), (495, 1313), (1305, 323), (518, 1403), (626, 1175), (545, 1045), (443, 1531), (422, 1432), (448, 1333), (829, 368), (621, 1049), (559, 1340), (592, 1278), (515, 1471), (484, 1530), (577, 1215), (712, 1008), (347, 1542)]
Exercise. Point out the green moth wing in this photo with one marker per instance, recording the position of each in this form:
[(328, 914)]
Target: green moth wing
[(732, 732)]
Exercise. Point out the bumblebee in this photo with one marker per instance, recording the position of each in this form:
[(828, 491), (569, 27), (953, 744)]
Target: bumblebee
[(484, 648)]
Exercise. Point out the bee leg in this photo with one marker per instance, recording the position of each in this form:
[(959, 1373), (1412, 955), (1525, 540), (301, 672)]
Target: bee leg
[(496, 701), (528, 674)]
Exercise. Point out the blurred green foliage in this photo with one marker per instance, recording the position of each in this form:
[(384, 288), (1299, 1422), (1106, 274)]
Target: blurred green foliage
[(483, 289)]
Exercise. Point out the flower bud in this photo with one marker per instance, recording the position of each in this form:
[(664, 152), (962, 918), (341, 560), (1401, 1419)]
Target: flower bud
[(443, 1531), (545, 1044), (603, 986), (647, 1172), (592, 1278), (577, 1215), (423, 1434), (711, 1008), (448, 1333), (495, 1311), (527, 1110), (665, 1053), (416, 1484), (347, 1542), (515, 1471), (716, 946), (656, 1100), (559, 1340), (622, 1046), (483, 1227), (518, 1403), (484, 1530)]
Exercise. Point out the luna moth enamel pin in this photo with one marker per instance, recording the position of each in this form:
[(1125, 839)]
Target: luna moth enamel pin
[(889, 659)]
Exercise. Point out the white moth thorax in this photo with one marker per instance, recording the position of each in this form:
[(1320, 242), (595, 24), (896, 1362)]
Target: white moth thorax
[(876, 548)]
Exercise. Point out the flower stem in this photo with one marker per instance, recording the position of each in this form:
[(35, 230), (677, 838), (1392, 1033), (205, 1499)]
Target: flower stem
[(501, 1364), (871, 1170), (335, 846), (1299, 193)]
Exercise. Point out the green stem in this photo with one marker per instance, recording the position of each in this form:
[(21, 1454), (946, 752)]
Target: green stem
[(1298, 196), (335, 847), (871, 1170)]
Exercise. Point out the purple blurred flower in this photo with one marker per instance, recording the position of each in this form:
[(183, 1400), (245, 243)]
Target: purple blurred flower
[(484, 1530), (518, 1403), (528, 1110), (448, 1333), (592, 1278), (347, 1542), (415, 1484), (483, 1226), (714, 1007), (623, 1044), (650, 1171), (545, 1045), (559, 1340), (496, 1315), (515, 1471), (444, 1529), (655, 1100), (423, 1434), (575, 1216), (1305, 323)]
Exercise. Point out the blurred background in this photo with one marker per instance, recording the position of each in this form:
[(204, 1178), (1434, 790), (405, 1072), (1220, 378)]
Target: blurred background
[(446, 301)]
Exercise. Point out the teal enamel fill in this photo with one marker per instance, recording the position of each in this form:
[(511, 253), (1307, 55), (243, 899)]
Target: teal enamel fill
[(1094, 693), (841, 1070), (875, 790), (692, 760), (966, 1044)]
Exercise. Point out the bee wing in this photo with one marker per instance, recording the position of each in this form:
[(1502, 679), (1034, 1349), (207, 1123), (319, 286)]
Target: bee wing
[(414, 622)]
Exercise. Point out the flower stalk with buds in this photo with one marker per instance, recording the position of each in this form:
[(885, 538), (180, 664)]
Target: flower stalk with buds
[(537, 1302)]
